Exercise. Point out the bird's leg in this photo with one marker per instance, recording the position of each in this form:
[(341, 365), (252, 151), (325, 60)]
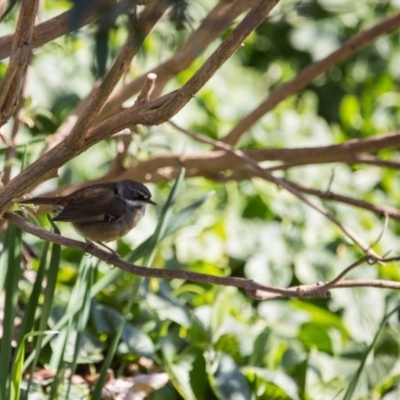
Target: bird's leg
[(108, 248), (113, 254)]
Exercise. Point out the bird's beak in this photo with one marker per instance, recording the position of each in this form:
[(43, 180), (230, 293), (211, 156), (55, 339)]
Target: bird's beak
[(149, 201)]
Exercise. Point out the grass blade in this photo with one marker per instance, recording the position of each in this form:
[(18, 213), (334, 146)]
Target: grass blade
[(353, 383), (12, 251), (148, 257)]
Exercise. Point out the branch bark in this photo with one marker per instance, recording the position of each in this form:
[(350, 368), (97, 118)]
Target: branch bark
[(53, 28), (11, 85)]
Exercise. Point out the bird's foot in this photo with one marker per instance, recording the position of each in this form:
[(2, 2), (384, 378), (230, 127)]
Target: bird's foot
[(89, 245)]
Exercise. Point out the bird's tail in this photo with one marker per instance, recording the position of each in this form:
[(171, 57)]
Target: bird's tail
[(57, 201)]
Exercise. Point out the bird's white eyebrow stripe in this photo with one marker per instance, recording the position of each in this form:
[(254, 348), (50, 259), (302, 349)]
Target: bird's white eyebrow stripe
[(134, 203)]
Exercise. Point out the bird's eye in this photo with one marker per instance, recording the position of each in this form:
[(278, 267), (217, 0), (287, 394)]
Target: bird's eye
[(135, 194)]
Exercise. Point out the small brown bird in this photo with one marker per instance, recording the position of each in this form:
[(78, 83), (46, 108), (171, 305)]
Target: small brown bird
[(102, 212)]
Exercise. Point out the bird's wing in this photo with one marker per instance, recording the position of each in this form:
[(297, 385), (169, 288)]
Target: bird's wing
[(106, 208)]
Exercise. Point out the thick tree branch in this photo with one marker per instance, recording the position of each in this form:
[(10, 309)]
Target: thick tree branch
[(54, 28), (11, 85), (224, 51)]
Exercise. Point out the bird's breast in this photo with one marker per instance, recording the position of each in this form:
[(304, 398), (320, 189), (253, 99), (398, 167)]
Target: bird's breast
[(133, 216), (107, 231)]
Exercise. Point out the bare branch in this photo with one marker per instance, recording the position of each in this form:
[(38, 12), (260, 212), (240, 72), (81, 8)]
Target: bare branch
[(11, 85), (334, 281), (254, 289), (54, 28), (214, 164), (350, 47), (135, 269)]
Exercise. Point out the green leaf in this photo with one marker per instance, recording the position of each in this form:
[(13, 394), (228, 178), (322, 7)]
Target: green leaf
[(322, 317), (271, 384), (198, 375), (256, 208), (82, 348), (169, 309), (221, 310), (227, 381), (135, 341), (11, 260), (17, 368), (106, 319), (385, 363), (314, 336), (261, 348), (178, 367)]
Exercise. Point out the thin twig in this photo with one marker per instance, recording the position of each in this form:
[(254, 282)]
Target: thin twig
[(147, 88), (331, 196), (366, 258), (382, 232), (332, 177), (337, 279), (122, 140)]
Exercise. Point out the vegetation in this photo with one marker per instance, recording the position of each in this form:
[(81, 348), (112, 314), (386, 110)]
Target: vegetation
[(267, 133)]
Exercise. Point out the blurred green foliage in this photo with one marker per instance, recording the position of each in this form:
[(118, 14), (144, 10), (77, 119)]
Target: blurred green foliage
[(216, 342)]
